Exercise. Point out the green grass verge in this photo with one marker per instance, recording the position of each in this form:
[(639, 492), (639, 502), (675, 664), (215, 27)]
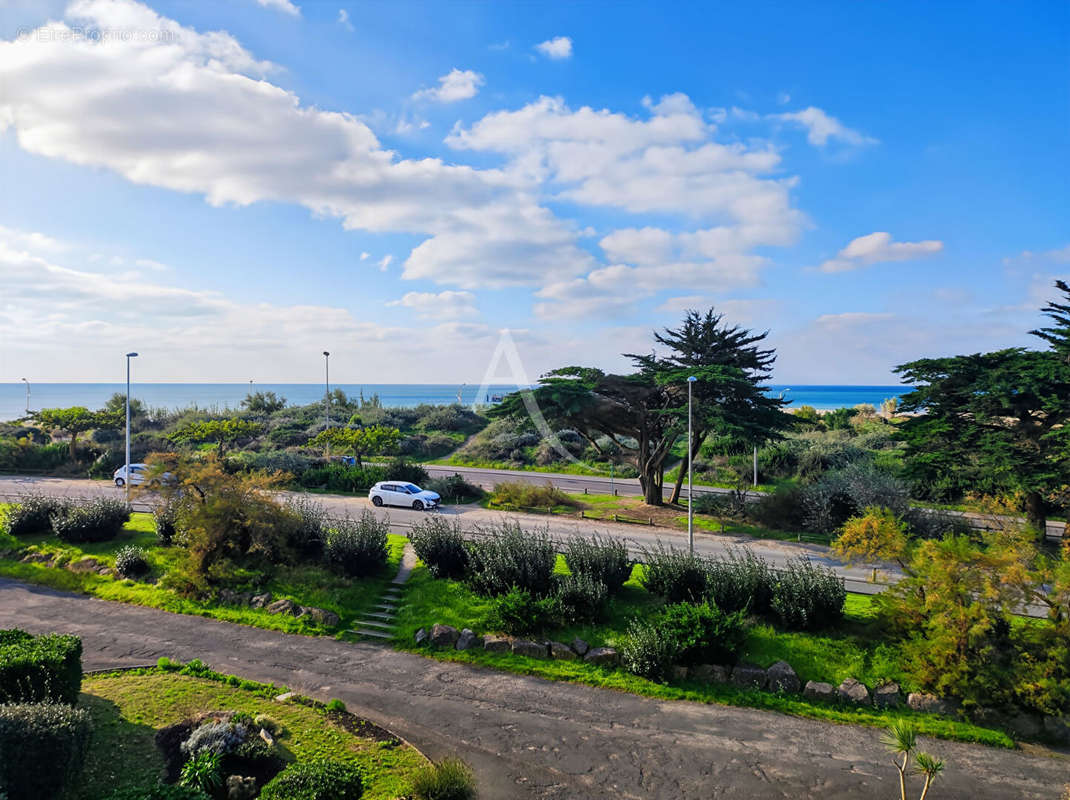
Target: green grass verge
[(128, 708)]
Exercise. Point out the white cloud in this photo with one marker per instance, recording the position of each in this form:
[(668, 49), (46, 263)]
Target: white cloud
[(31, 240), (559, 47), (1060, 255), (281, 5), (783, 98), (439, 305), (455, 85), (343, 20), (878, 247), (821, 128), (365, 256), (148, 263), (384, 262)]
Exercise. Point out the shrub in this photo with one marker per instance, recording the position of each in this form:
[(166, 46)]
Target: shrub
[(450, 779), (310, 525), (780, 509), (716, 503), (161, 791), (42, 749), (455, 488), (164, 518), (742, 582), (520, 613), (340, 478), (203, 771), (316, 780), (357, 547), (511, 557), (839, 495), (580, 598), (130, 561), (682, 633), (806, 596), (520, 494), (675, 575), (33, 514), (335, 705), (217, 737), (44, 668), (440, 545), (601, 559), (401, 470), (96, 521)]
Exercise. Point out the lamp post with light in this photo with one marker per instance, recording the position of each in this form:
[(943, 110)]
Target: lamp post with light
[(690, 504), (27, 395), (126, 476), (327, 383)]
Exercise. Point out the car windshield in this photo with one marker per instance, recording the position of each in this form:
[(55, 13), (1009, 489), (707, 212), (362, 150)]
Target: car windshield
[(410, 488)]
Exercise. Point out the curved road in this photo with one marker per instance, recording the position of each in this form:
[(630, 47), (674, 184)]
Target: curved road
[(529, 738)]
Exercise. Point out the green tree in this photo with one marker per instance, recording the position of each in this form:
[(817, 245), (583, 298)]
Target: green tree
[(373, 440), (75, 421), (222, 432)]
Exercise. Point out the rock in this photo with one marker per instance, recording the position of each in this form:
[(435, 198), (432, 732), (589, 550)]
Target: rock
[(887, 696), (782, 678), (679, 672), (526, 647), (260, 600), (241, 788), (269, 740), (283, 606), (579, 646), (816, 690), (710, 673), (422, 637), (1025, 726), (84, 565), (107, 572), (1057, 729), (468, 640), (6, 553), (37, 558), (232, 598), (497, 644), (920, 701), (562, 652), (444, 635), (853, 691), (748, 676), (321, 616), (285, 697), (602, 656)]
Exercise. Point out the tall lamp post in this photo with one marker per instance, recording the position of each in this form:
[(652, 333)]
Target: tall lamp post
[(126, 475), (327, 396), (690, 505), (27, 394)]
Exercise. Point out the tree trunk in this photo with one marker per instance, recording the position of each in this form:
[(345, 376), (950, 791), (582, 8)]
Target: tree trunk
[(684, 465), (652, 491), (1035, 516), (74, 443)]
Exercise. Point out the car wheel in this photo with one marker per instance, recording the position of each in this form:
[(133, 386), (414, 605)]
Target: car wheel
[(417, 505), (120, 482), (377, 501)]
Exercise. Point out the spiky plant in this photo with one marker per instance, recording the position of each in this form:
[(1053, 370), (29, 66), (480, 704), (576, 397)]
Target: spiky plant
[(930, 767)]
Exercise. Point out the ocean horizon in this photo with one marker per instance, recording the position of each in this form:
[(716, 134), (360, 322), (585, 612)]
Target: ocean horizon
[(224, 396)]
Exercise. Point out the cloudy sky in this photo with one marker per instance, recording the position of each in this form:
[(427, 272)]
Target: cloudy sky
[(231, 188)]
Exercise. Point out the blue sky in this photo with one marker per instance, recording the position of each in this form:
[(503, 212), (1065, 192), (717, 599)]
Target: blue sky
[(232, 187)]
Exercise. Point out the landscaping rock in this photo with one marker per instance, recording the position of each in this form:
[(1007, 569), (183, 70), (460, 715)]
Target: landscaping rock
[(748, 676), (37, 558), (1025, 726), (241, 788), (232, 598), (580, 647), (106, 572), (679, 672), (887, 696), (269, 740), (711, 673), (853, 691), (562, 652), (497, 644), (602, 656), (84, 565), (816, 690), (285, 697), (444, 635), (782, 678), (422, 637), (1058, 729), (526, 647), (283, 606), (321, 616), (920, 701), (6, 553), (260, 600), (468, 640)]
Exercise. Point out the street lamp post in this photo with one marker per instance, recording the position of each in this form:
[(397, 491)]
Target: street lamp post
[(126, 475), (27, 395), (690, 504), (327, 396)]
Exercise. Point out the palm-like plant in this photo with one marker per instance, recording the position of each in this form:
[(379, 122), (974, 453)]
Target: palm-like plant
[(902, 739), (930, 767), (204, 771)]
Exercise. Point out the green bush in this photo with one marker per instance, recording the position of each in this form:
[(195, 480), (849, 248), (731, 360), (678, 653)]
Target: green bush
[(336, 705), (683, 633), (130, 561), (450, 779), (33, 514), (780, 510), (95, 521), (508, 557), (647, 652), (310, 526), (40, 668), (316, 780), (454, 488), (164, 518), (600, 558), (161, 791), (674, 574), (714, 503), (203, 771), (439, 543), (401, 470), (580, 598), (42, 749), (357, 547), (520, 613), (521, 494), (742, 582), (807, 596), (340, 478)]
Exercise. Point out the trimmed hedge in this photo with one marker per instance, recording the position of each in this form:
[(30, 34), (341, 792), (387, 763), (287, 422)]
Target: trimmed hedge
[(34, 514), (39, 668), (42, 749), (316, 780), (96, 521)]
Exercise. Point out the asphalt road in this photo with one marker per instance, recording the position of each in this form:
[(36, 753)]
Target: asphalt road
[(529, 738)]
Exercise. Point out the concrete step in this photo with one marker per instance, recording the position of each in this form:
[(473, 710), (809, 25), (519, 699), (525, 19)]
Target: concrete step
[(370, 633), (387, 606), (375, 623), (380, 615)]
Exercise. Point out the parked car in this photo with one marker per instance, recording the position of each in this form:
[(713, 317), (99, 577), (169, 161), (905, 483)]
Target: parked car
[(139, 474), (391, 493)]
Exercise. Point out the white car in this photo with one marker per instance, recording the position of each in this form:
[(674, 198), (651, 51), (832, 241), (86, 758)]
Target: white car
[(394, 493), (139, 474)]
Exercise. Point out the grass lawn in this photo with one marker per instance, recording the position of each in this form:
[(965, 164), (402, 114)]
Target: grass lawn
[(128, 708), (305, 584)]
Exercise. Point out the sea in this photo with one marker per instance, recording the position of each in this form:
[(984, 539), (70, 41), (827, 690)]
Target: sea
[(224, 396)]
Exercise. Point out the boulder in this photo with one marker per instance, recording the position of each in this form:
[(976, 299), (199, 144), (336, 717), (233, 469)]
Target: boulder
[(920, 701), (267, 736), (1057, 729), (444, 635), (580, 647), (562, 652), (284, 697), (107, 572), (853, 691), (241, 788), (84, 565), (748, 676), (283, 606), (526, 647), (816, 690), (321, 616), (422, 637), (37, 558), (260, 600), (887, 696), (782, 678), (497, 644), (710, 673), (602, 656), (679, 672), (1025, 726), (468, 640), (232, 598)]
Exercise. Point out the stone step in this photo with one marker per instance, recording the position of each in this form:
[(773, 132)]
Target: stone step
[(370, 633), (380, 615), (386, 606), (375, 623)]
